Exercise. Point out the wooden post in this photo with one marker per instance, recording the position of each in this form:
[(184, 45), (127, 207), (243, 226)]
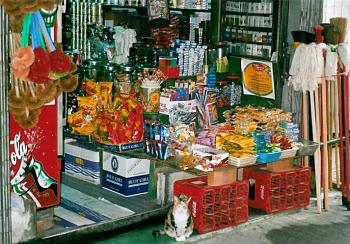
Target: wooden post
[(346, 132), (341, 132)]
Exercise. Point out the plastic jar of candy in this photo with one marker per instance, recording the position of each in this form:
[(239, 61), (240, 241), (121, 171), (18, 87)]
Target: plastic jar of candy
[(150, 94)]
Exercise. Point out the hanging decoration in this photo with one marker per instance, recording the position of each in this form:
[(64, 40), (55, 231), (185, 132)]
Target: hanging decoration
[(17, 9), (41, 72)]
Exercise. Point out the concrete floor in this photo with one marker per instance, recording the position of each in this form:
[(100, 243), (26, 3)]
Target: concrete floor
[(301, 226), (305, 226)]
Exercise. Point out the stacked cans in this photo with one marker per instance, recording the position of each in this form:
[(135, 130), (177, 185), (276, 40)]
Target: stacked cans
[(190, 57)]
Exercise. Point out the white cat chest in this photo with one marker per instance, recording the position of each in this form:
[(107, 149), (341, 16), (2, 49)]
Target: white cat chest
[(124, 175)]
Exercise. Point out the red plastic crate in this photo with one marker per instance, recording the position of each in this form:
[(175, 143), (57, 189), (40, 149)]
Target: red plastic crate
[(278, 191), (215, 207)]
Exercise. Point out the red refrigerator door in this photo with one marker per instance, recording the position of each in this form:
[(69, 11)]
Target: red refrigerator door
[(35, 169)]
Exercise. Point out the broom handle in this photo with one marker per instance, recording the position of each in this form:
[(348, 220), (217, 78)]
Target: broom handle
[(305, 125), (336, 130), (329, 133), (315, 138), (324, 141)]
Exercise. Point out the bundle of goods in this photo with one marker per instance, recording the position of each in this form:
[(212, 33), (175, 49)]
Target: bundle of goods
[(18, 9), (111, 120), (41, 71), (182, 137), (238, 146), (123, 41), (241, 148), (157, 140), (211, 157), (150, 91), (268, 150), (207, 136), (178, 102), (120, 123), (207, 105), (251, 119)]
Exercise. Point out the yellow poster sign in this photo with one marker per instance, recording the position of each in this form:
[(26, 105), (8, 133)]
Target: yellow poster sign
[(258, 78)]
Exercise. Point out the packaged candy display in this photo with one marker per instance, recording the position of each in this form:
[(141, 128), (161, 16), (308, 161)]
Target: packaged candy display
[(237, 145), (121, 123), (213, 158), (183, 137), (251, 119)]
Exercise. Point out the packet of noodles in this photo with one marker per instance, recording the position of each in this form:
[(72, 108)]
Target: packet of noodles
[(88, 106), (76, 118), (91, 88), (84, 129)]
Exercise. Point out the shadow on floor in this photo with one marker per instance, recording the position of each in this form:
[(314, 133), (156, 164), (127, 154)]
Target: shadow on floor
[(312, 233)]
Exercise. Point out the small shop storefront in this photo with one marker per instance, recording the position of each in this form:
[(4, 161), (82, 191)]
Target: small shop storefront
[(113, 109)]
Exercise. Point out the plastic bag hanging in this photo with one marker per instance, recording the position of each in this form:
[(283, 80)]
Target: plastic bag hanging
[(158, 13)]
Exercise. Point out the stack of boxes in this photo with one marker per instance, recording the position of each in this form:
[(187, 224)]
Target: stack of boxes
[(123, 175)]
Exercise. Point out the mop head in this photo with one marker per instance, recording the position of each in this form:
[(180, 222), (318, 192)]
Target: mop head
[(331, 63), (307, 67), (344, 55)]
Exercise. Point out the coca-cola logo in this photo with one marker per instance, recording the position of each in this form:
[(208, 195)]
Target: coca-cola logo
[(20, 149)]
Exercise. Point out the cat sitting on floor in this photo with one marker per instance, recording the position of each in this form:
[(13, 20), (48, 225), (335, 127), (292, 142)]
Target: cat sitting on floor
[(179, 222)]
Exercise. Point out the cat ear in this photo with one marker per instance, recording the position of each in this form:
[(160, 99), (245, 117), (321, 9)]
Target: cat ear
[(188, 200), (176, 200)]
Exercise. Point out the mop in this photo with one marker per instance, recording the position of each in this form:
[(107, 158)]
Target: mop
[(306, 70)]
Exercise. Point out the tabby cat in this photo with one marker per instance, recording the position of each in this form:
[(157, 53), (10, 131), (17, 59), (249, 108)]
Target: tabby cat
[(179, 222)]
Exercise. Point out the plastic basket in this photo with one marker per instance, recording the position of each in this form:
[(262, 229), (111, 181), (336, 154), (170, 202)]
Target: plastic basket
[(268, 157), (215, 207), (278, 191), (289, 153), (240, 162)]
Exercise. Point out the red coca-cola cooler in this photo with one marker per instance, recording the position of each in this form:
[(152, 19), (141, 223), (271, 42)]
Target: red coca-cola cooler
[(35, 170)]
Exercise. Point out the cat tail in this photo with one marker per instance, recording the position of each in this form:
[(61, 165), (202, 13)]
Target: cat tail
[(158, 233)]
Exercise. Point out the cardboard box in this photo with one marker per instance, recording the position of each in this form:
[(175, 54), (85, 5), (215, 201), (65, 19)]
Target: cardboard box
[(222, 176), (281, 165), (82, 162), (124, 175)]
